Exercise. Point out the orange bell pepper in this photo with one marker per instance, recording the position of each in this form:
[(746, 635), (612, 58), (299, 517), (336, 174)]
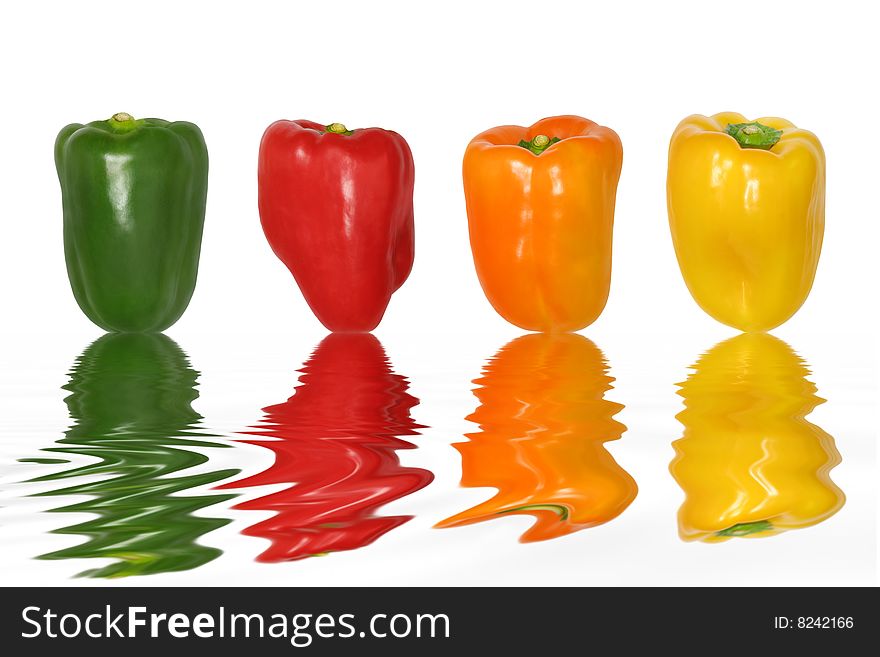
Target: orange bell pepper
[(544, 422), (540, 206)]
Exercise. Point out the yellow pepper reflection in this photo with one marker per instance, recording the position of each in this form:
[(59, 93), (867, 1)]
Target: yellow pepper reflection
[(543, 425), (749, 462)]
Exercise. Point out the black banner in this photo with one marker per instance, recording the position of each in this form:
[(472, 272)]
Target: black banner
[(403, 621)]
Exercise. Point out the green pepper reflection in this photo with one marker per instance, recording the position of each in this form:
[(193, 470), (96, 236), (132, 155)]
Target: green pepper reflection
[(131, 402)]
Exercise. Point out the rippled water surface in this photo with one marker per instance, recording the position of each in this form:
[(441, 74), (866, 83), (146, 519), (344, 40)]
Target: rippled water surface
[(438, 460)]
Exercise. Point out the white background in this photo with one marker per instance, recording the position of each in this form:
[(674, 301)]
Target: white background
[(438, 74)]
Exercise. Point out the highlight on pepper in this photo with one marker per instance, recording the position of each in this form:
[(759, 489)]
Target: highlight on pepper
[(746, 205), (336, 206), (133, 194), (750, 463), (540, 207)]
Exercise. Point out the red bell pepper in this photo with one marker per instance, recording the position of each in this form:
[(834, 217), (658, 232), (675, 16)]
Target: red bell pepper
[(335, 443), (337, 208)]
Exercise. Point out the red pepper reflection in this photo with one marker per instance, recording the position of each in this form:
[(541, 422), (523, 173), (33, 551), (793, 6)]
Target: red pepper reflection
[(335, 440)]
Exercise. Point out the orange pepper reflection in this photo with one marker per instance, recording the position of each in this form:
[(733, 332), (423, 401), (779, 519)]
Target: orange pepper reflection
[(544, 423), (335, 442), (749, 462)]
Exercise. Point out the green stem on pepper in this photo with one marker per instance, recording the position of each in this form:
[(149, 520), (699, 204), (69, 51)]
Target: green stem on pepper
[(339, 129), (556, 508), (754, 135), (538, 143), (746, 528)]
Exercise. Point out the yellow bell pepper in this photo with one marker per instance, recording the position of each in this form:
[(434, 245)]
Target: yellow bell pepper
[(544, 422), (749, 462), (746, 203)]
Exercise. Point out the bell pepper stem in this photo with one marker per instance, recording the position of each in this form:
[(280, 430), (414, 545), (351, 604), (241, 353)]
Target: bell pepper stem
[(556, 508), (754, 135), (746, 528), (123, 122), (538, 144), (338, 129)]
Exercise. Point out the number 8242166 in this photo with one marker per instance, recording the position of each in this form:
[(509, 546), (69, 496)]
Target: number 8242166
[(814, 622)]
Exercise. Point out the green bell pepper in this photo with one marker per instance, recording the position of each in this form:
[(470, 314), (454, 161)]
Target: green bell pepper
[(139, 484), (134, 196)]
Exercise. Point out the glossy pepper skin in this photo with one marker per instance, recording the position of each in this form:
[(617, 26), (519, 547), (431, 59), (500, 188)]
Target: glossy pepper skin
[(749, 462), (134, 193), (544, 422), (540, 205), (337, 209), (747, 222)]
